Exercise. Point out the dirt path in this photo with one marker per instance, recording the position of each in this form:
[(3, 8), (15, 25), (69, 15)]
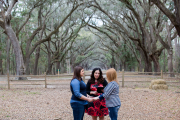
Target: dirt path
[(53, 103)]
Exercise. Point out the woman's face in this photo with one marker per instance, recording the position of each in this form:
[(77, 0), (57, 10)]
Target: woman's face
[(96, 74), (82, 72)]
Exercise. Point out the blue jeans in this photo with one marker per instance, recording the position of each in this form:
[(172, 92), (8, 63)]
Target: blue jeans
[(78, 111), (113, 112)]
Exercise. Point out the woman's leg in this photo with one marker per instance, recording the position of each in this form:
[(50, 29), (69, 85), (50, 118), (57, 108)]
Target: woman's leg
[(113, 112), (78, 111), (101, 118), (94, 117)]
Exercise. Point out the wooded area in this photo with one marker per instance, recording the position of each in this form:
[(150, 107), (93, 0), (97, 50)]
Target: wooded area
[(40, 36)]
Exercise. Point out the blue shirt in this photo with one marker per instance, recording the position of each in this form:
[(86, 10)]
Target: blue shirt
[(75, 84)]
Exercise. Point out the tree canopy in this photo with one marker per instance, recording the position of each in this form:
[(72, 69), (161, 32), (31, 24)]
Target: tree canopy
[(46, 35)]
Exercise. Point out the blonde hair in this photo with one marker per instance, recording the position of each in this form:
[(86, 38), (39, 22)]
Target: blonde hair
[(112, 75)]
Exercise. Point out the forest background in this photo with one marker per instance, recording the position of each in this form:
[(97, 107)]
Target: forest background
[(40, 36)]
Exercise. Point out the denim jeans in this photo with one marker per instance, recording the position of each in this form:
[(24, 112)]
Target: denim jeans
[(78, 111), (113, 112)]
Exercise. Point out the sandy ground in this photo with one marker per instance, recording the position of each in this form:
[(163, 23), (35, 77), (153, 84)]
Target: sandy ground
[(39, 103)]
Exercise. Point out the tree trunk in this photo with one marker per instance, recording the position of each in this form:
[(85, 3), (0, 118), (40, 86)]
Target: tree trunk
[(58, 65), (36, 60), (17, 49), (177, 55), (120, 66), (13, 62), (170, 62), (49, 71), (164, 62), (147, 62), (140, 66), (170, 51), (72, 68), (155, 59), (27, 65), (54, 70), (1, 67), (124, 65), (8, 46), (63, 66)]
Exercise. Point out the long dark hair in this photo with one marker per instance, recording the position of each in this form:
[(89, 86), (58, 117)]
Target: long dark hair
[(77, 71), (99, 80)]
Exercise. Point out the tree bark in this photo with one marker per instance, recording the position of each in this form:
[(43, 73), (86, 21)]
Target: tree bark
[(1, 67), (174, 18), (8, 46), (63, 66), (14, 63), (17, 49), (177, 55), (54, 70), (49, 71), (58, 65), (140, 66), (36, 60), (164, 67), (155, 59), (170, 51), (6, 25), (170, 62), (148, 65)]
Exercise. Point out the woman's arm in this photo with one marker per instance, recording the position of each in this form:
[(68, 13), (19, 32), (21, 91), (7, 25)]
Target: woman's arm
[(108, 90), (88, 89), (86, 98), (76, 89)]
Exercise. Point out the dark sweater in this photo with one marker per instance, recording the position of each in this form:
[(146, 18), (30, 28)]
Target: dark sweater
[(88, 87)]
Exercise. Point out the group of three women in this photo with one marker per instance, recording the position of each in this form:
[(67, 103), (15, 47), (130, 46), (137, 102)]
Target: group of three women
[(95, 104)]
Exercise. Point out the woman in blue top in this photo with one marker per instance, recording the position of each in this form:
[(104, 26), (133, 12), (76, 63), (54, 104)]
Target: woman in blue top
[(111, 94), (79, 97)]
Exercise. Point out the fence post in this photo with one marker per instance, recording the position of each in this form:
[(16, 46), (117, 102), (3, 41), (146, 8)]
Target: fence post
[(58, 72), (161, 74), (45, 80), (122, 77), (8, 81), (84, 77)]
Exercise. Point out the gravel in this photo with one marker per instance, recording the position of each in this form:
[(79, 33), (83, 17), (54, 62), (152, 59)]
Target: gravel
[(53, 103)]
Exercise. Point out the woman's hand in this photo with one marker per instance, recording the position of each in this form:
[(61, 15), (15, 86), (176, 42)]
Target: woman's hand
[(90, 100), (102, 90), (96, 98), (94, 92)]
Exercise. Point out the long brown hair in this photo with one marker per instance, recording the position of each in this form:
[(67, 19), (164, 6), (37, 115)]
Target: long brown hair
[(77, 71), (99, 80)]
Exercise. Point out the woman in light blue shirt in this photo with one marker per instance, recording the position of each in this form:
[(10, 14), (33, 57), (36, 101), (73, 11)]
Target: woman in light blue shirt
[(79, 97), (111, 94)]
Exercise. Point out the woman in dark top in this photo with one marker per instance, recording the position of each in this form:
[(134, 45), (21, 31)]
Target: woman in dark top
[(97, 108), (78, 89)]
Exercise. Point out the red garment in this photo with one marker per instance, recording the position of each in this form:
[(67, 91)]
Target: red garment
[(97, 108)]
